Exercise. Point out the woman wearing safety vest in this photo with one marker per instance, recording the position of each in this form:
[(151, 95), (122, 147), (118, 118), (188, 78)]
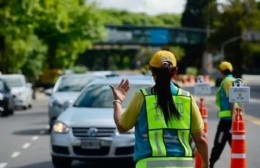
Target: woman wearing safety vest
[(166, 119), (223, 134)]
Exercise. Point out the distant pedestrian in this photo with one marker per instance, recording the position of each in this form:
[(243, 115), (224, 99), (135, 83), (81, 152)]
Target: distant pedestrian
[(165, 117), (223, 134)]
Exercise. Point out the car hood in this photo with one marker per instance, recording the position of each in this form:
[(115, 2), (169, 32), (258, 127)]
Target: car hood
[(65, 96), (15, 90), (87, 117)]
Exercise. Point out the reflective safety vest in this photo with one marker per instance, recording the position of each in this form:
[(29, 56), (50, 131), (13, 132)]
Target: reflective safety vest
[(222, 101), (170, 144)]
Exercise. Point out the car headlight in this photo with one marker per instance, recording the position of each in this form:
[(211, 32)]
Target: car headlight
[(60, 127), (1, 96)]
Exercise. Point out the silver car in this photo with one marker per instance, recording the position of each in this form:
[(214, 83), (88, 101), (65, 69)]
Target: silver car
[(65, 91), (87, 130)]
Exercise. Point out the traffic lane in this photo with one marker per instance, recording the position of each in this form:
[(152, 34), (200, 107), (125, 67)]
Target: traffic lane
[(19, 131), (252, 134), (36, 154)]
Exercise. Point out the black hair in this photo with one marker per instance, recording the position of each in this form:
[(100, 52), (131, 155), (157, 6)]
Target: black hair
[(162, 90), (226, 72)]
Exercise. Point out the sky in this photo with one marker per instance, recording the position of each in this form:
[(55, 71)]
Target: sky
[(151, 7)]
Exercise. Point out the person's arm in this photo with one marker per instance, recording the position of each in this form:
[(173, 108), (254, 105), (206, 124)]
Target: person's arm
[(119, 96), (117, 115), (202, 147), (198, 134)]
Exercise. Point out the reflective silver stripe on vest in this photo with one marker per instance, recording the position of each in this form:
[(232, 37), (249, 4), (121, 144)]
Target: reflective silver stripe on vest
[(168, 163), (156, 139)]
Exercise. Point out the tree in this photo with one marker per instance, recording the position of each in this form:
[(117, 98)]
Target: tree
[(119, 17), (235, 18), (193, 17), (68, 28), (16, 34)]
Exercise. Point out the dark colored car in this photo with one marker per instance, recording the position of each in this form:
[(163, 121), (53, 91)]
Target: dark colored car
[(6, 99)]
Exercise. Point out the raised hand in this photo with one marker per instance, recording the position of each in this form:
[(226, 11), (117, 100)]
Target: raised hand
[(121, 90)]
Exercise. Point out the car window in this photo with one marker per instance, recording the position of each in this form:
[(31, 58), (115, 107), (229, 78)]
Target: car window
[(100, 95), (14, 82), (73, 83)]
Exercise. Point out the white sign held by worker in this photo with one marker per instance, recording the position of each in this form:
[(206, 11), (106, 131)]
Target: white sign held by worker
[(239, 94), (202, 88)]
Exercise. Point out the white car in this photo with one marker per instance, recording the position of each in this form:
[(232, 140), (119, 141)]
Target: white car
[(87, 130), (65, 91), (20, 89)]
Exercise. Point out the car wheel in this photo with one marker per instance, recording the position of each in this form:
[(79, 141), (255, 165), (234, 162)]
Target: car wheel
[(5, 113), (11, 112), (61, 162)]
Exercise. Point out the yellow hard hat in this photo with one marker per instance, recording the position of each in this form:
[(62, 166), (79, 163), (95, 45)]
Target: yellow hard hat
[(162, 56), (225, 66)]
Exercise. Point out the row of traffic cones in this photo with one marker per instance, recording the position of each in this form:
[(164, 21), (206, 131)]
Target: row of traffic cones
[(238, 143)]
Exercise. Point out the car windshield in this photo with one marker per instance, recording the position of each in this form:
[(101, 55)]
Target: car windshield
[(73, 83), (14, 82), (100, 95)]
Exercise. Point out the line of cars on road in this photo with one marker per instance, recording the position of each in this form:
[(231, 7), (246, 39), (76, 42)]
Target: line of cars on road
[(85, 129), (15, 92)]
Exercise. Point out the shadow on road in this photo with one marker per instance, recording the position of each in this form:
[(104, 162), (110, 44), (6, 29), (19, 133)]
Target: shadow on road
[(38, 165), (78, 164), (32, 132)]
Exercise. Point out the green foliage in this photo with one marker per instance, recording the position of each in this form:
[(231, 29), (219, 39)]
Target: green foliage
[(30, 30), (191, 71), (119, 17), (68, 28), (237, 17), (16, 34)]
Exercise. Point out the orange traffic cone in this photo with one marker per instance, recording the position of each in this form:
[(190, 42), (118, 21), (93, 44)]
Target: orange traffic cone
[(238, 144), (207, 79), (192, 80), (204, 114)]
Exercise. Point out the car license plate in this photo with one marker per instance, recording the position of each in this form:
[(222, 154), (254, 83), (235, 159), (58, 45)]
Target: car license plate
[(90, 144)]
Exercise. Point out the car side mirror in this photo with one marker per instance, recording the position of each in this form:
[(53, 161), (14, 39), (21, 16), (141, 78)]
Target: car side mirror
[(29, 85), (48, 92)]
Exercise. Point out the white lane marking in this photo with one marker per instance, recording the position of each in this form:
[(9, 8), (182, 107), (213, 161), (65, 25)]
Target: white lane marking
[(3, 164), (15, 154), (34, 138), (26, 145)]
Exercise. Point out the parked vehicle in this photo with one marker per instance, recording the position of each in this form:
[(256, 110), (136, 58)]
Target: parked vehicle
[(87, 130), (65, 91), (6, 99), (20, 89)]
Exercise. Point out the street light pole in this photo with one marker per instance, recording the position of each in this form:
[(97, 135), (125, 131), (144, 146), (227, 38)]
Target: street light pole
[(222, 52)]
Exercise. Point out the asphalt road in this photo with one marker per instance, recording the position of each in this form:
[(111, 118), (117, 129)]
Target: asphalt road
[(24, 139)]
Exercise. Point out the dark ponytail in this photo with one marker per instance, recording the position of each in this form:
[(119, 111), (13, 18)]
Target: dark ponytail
[(162, 90)]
